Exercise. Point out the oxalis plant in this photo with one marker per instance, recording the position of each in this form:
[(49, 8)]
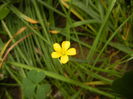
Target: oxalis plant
[(66, 49), (33, 87)]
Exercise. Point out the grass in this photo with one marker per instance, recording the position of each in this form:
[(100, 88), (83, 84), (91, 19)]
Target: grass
[(99, 30)]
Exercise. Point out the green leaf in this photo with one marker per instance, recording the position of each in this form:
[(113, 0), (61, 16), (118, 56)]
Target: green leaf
[(4, 11), (122, 48), (28, 88), (124, 86), (42, 91), (35, 76)]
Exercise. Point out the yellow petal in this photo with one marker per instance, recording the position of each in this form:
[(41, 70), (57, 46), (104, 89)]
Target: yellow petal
[(64, 59), (55, 55), (71, 51), (57, 47), (65, 45)]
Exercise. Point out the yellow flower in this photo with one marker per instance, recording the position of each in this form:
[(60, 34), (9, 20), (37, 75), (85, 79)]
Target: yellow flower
[(63, 51)]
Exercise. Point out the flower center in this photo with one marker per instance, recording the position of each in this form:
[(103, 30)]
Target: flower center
[(63, 52)]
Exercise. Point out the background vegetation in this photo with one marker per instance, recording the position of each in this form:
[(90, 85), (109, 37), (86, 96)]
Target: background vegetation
[(100, 30)]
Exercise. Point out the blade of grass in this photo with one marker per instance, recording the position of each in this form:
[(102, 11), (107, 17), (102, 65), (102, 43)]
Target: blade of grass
[(51, 8), (18, 13), (9, 49), (41, 21), (10, 35), (62, 78), (95, 43), (63, 2), (107, 42)]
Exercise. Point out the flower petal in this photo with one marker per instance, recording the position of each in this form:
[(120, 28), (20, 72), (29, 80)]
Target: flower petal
[(55, 55), (65, 45), (71, 51), (64, 59), (57, 47)]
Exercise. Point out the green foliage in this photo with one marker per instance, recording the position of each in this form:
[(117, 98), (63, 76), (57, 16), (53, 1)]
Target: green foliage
[(32, 86), (124, 86), (4, 11), (28, 88), (100, 30), (42, 91), (35, 76)]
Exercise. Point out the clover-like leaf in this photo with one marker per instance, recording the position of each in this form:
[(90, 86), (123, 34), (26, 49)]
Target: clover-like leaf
[(28, 88), (42, 91), (35, 76)]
